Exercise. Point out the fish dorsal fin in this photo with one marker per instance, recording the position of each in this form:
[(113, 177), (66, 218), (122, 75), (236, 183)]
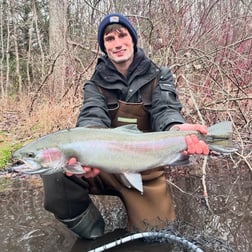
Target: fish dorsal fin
[(133, 180), (132, 128)]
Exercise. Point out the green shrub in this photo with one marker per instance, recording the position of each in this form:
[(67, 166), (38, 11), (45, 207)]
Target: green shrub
[(5, 156)]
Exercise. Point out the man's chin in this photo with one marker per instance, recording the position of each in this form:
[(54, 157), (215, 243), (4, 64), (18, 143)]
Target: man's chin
[(120, 60)]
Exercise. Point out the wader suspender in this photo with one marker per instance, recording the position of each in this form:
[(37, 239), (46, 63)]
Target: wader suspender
[(123, 113)]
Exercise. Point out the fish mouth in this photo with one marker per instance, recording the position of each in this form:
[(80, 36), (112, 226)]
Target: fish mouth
[(29, 167)]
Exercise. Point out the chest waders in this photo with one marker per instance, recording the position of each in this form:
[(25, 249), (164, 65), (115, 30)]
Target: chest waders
[(130, 113)]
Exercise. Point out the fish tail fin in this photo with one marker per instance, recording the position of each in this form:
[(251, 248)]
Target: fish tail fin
[(219, 137)]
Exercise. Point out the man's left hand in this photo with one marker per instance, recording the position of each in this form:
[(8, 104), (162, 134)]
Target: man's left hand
[(193, 127), (194, 145)]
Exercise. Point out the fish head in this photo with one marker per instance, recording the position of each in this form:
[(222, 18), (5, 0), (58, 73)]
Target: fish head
[(44, 161)]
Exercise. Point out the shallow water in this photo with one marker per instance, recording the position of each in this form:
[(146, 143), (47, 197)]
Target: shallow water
[(226, 222), (224, 225)]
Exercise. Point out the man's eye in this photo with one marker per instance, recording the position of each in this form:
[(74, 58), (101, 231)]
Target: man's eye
[(122, 35), (109, 38)]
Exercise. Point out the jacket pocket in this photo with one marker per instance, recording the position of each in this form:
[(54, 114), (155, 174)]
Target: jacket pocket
[(166, 87)]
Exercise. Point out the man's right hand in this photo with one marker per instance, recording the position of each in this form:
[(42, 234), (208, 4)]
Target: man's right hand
[(88, 172)]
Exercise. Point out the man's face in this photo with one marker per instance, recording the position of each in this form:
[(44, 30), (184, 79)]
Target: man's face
[(119, 46)]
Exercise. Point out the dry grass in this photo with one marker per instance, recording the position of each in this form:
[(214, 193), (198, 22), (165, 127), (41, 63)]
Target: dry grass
[(46, 116)]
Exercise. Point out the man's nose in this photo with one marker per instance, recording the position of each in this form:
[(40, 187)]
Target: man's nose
[(117, 43)]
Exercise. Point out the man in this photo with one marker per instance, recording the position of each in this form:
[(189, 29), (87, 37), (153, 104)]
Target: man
[(125, 88)]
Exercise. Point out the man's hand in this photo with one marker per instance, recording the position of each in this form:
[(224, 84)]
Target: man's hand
[(194, 145), (88, 172), (193, 127)]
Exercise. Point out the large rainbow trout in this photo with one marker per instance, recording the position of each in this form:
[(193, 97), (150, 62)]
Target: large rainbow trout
[(124, 150)]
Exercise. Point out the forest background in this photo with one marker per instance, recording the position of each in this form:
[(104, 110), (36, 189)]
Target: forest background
[(48, 49)]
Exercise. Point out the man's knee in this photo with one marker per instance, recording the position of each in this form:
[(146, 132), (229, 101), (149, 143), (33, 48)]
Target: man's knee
[(66, 197)]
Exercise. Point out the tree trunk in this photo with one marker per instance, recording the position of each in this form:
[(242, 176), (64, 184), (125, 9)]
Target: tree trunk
[(57, 46)]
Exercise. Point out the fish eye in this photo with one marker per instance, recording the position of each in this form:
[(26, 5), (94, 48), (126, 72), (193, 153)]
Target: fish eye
[(30, 155)]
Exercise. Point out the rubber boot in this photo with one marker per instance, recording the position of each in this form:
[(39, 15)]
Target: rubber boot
[(88, 225), (68, 199)]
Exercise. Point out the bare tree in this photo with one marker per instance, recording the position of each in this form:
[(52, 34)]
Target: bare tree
[(2, 72), (57, 45), (15, 41)]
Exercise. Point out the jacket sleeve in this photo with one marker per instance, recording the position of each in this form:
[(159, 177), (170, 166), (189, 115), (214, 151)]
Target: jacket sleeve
[(166, 106), (94, 110)]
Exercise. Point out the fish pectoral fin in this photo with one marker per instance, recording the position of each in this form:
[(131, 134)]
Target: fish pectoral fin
[(133, 180), (75, 168)]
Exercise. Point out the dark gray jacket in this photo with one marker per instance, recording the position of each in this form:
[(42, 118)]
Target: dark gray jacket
[(163, 103)]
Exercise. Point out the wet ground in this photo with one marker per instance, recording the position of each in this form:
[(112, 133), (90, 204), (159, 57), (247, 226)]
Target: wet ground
[(220, 220)]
